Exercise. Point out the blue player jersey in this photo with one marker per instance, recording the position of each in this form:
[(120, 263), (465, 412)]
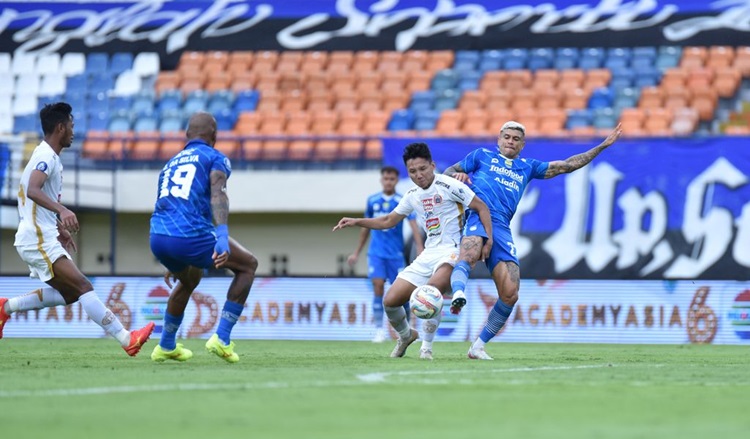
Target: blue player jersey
[(499, 181), (183, 203), (388, 243)]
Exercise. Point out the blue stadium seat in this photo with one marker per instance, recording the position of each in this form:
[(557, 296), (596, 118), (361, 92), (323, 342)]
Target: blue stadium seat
[(422, 100), (225, 119), (469, 80), (97, 62), (604, 118), (540, 58), (646, 77), (142, 104), (466, 60), (515, 59), (121, 61), (578, 118), (247, 100), (26, 123), (145, 123), (170, 100), (444, 79), (117, 103), (119, 122), (642, 62), (668, 57), (171, 121), (600, 98), (616, 63), (77, 84), (100, 83), (220, 100), (486, 65), (426, 120), (566, 58), (401, 120), (627, 97), (195, 101), (647, 51), (621, 79), (97, 103), (446, 100), (470, 55), (619, 52), (97, 121), (591, 58)]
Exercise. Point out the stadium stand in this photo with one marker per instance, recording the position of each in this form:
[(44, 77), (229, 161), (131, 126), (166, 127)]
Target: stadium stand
[(296, 109)]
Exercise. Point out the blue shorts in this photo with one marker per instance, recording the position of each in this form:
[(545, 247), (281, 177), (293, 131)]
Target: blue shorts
[(384, 268), (503, 248), (178, 253)]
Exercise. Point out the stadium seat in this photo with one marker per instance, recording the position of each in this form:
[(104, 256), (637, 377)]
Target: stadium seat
[(121, 62), (145, 124), (300, 149), (146, 64), (72, 64)]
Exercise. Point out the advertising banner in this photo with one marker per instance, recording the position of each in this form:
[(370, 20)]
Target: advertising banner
[(645, 208), (673, 312), (169, 27)]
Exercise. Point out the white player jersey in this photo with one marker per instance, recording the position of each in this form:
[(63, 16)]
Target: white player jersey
[(439, 208), (38, 225)]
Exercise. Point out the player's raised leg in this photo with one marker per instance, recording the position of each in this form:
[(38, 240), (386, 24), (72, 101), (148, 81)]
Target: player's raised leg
[(471, 251), (41, 298), (506, 276), (74, 286), (243, 264)]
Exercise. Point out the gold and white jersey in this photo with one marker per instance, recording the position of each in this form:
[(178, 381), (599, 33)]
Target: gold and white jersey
[(439, 208), (38, 225)]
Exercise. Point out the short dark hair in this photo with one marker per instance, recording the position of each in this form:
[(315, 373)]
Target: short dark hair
[(417, 150), (53, 114), (388, 170)]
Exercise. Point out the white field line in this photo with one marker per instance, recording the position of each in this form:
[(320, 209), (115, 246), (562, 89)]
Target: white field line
[(363, 379)]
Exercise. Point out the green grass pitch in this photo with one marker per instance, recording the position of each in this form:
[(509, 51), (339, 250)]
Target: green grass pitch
[(310, 389)]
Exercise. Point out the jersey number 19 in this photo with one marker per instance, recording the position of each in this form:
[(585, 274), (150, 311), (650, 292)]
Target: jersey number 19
[(182, 180)]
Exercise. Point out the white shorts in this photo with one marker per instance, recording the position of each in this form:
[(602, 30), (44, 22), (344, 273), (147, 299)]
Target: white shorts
[(420, 271), (40, 260)]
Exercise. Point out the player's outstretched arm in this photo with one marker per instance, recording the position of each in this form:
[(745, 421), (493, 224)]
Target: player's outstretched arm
[(380, 223), (457, 172), (580, 160)]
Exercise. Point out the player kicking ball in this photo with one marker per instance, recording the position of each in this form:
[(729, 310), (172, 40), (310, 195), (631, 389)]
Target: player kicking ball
[(439, 201)]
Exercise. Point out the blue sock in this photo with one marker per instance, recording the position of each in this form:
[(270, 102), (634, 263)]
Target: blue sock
[(377, 311), (229, 316), (496, 320), (460, 276), (168, 334)]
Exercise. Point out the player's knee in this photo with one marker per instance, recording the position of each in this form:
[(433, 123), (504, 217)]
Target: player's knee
[(509, 296), (252, 263)]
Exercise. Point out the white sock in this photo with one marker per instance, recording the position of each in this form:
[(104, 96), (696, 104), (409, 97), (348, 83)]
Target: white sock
[(478, 344), (397, 318), (429, 328), (42, 298), (103, 317)]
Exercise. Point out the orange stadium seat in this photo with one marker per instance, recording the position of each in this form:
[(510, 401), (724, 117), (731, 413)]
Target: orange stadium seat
[(418, 81), (704, 101), (294, 100), (272, 123), (298, 123), (727, 81), (373, 149), (375, 122), (96, 144), (326, 150), (171, 144), (351, 149), (576, 99), (243, 81), (651, 97), (265, 61), (324, 122), (191, 60), (350, 123), (146, 145), (227, 143), (472, 99), (300, 149), (549, 99), (247, 123), (518, 79), (742, 60), (274, 149), (252, 149)]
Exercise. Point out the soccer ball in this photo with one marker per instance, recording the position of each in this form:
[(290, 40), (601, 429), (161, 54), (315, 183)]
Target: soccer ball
[(426, 302)]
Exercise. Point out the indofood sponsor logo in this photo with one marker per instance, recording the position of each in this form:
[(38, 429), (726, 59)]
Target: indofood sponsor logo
[(155, 307), (739, 315)]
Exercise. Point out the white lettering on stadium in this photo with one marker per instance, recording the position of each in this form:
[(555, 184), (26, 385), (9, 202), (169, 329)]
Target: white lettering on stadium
[(51, 30)]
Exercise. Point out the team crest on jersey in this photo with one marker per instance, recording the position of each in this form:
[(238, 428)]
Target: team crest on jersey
[(438, 199), (228, 164), (428, 204), (495, 161), (508, 163), (386, 205), (41, 166)]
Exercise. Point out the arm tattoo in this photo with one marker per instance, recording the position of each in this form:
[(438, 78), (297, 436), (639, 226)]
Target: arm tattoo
[(572, 163), (452, 170), (514, 273), (219, 199)]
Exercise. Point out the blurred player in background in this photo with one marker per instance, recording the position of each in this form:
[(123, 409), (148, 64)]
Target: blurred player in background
[(385, 257), (499, 176), (44, 235), (440, 201), (189, 233)]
